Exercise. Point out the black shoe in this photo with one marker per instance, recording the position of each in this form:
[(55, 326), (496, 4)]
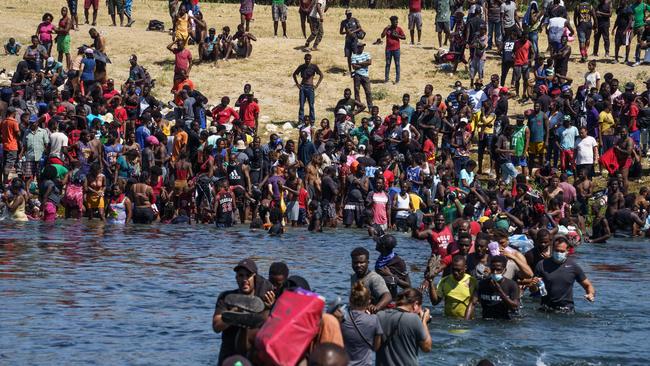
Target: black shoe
[(242, 320), (248, 303)]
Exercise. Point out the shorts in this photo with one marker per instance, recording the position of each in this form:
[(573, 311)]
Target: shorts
[(519, 161), (520, 72), (72, 6), (623, 37), (350, 46), (9, 160), (353, 214), (293, 211), (584, 32), (180, 184), (415, 20), (442, 27), (302, 216), (30, 168), (247, 16), (143, 215), (329, 210), (89, 3), (94, 201), (63, 44), (536, 148), (115, 4), (279, 12)]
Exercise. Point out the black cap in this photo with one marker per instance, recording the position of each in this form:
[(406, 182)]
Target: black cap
[(387, 241), (247, 264), (295, 282)]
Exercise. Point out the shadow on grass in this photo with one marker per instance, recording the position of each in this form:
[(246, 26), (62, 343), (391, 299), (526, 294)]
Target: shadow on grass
[(336, 70), (378, 81)]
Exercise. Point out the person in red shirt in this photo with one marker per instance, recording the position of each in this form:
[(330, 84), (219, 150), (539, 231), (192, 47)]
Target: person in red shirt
[(9, 135), (249, 111), (523, 59), (182, 61), (223, 113), (393, 35), (108, 90)]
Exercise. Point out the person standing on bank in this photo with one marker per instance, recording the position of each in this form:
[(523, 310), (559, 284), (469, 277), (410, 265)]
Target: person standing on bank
[(307, 71), (360, 61), (316, 19), (351, 28), (393, 34)]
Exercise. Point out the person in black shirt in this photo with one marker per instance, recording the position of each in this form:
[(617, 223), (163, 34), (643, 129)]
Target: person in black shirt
[(603, 13), (558, 274), (249, 282), (622, 27), (329, 192), (499, 296), (390, 266)]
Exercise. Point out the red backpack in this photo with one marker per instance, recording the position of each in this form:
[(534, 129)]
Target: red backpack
[(289, 330)]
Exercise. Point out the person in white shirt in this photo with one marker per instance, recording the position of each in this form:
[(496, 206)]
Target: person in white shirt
[(586, 153), (592, 77), (58, 142)]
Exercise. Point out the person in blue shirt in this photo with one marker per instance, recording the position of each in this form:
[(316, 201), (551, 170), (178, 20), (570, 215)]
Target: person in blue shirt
[(567, 140)]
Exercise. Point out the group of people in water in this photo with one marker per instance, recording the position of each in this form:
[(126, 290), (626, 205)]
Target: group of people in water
[(504, 200)]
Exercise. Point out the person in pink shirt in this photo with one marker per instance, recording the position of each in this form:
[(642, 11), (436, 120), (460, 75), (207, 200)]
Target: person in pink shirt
[(44, 32)]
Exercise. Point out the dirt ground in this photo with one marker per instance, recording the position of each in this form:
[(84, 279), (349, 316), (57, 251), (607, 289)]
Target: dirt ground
[(274, 59)]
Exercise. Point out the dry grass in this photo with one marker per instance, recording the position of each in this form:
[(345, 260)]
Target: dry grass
[(273, 60)]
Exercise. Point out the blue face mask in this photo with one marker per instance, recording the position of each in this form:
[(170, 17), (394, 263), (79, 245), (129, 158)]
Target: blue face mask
[(497, 276), (559, 257)]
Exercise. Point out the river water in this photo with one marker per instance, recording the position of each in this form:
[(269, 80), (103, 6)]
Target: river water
[(84, 293)]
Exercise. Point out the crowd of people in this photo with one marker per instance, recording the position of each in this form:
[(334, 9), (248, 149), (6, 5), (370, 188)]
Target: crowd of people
[(503, 199)]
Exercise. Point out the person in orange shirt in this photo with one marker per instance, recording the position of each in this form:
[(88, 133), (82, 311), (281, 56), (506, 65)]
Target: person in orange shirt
[(9, 135), (178, 87), (180, 140)]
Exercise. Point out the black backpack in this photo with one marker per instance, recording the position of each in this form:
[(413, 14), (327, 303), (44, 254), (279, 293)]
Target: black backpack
[(156, 25), (643, 121)]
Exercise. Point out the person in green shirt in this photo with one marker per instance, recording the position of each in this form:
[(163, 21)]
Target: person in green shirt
[(362, 133), (519, 143), (639, 8), (456, 289)]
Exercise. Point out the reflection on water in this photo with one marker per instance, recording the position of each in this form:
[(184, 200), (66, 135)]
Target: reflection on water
[(80, 293)]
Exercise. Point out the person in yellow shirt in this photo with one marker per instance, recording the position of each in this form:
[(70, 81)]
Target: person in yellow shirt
[(181, 26), (607, 127), (485, 129), (456, 289)]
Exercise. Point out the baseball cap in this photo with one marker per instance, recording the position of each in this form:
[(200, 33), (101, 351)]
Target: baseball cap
[(50, 61), (341, 111), (89, 51), (348, 11), (247, 264), (505, 89), (629, 85), (464, 119)]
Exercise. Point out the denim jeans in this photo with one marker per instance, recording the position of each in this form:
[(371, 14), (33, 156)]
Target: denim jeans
[(394, 55), (306, 93), (508, 172), (494, 29)]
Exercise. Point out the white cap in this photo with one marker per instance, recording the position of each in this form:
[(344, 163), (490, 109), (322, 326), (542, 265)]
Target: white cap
[(341, 111), (50, 60)]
